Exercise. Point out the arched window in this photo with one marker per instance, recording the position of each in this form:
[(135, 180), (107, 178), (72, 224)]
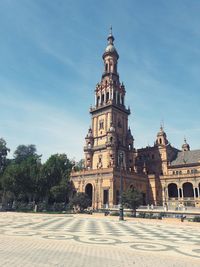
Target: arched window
[(115, 68), (117, 197), (172, 190), (188, 190), (160, 141), (102, 99), (107, 97), (88, 191), (114, 97), (98, 100), (106, 67), (122, 100)]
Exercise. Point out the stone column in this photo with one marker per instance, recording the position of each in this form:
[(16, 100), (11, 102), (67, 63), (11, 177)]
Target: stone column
[(100, 193), (111, 194), (167, 195), (198, 191), (163, 195), (194, 192), (95, 100), (178, 192), (97, 194), (111, 96)]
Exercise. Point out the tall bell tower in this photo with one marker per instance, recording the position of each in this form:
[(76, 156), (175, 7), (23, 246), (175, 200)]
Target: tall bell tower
[(108, 137), (109, 133)]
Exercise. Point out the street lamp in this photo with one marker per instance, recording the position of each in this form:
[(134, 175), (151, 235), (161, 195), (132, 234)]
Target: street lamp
[(121, 209)]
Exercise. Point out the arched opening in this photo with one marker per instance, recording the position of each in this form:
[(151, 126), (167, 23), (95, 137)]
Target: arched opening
[(143, 199), (114, 97), (110, 68), (107, 97), (122, 100), (132, 186), (115, 68), (172, 190), (98, 100), (106, 67), (160, 141), (102, 99), (88, 191), (117, 197), (188, 190)]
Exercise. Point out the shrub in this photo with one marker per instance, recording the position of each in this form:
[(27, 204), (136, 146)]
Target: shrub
[(196, 219), (25, 207), (114, 213), (142, 215)]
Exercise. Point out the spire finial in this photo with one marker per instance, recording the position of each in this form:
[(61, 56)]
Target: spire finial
[(110, 36), (110, 29)]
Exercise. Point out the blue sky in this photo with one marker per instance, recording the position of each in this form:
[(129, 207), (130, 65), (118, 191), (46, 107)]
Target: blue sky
[(51, 60)]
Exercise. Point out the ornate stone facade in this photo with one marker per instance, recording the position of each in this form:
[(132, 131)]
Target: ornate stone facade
[(156, 171)]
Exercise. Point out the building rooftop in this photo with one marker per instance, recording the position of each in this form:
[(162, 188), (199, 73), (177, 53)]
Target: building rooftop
[(187, 157)]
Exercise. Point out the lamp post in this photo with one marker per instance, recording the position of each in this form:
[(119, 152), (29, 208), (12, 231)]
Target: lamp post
[(121, 209)]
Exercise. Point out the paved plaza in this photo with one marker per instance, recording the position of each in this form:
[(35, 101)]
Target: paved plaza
[(78, 240)]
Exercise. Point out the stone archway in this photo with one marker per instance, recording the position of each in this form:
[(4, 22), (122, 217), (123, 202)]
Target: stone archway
[(188, 190), (172, 190), (117, 197), (89, 191), (132, 186)]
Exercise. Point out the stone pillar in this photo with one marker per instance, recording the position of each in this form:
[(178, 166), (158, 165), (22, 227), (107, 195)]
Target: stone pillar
[(178, 192), (198, 191), (167, 195), (97, 194), (100, 193), (163, 195), (194, 192), (95, 100), (111, 194), (111, 94)]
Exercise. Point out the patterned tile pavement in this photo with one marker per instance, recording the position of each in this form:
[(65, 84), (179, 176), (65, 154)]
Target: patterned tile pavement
[(67, 240)]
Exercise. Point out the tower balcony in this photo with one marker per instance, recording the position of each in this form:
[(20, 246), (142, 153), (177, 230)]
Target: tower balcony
[(109, 74), (110, 103)]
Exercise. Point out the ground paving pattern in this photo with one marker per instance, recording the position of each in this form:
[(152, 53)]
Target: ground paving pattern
[(68, 240)]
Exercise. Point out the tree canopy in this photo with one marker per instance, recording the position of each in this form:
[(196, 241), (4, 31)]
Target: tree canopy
[(3, 154), (81, 201), (24, 151), (132, 199), (25, 179)]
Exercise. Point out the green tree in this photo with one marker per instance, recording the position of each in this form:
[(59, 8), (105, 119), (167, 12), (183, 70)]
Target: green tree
[(23, 152), (63, 192), (20, 178), (132, 199), (10, 183), (3, 154), (55, 174), (81, 201)]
